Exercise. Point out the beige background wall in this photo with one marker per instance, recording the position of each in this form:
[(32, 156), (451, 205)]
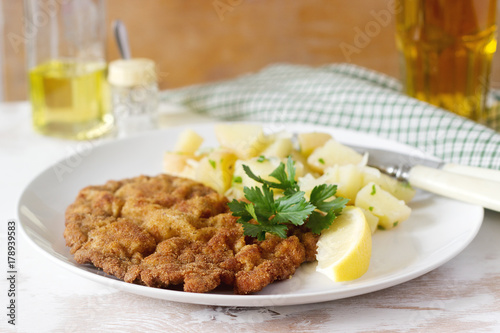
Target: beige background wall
[(205, 40)]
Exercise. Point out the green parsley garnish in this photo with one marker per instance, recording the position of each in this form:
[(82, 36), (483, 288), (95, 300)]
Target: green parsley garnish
[(276, 215), (322, 161), (370, 208), (395, 224), (407, 185), (212, 163), (374, 190), (261, 159), (237, 179)]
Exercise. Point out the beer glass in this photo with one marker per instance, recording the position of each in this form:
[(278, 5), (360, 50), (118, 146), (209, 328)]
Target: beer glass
[(446, 48), (66, 59)]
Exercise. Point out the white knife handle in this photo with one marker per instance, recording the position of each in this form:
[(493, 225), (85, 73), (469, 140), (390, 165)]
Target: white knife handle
[(484, 173), (473, 190)]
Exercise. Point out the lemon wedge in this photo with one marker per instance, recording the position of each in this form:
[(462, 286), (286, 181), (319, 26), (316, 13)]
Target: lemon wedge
[(344, 249)]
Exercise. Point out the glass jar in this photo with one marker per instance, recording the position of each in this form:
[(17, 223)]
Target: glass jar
[(134, 95), (66, 60)]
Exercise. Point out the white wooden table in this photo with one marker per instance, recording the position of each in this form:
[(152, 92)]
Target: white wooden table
[(463, 295)]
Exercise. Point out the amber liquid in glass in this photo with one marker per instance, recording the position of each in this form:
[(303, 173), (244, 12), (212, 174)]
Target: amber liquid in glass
[(70, 99), (446, 48)]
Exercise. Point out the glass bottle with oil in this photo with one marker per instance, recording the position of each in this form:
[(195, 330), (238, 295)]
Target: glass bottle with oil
[(67, 68), (446, 49)]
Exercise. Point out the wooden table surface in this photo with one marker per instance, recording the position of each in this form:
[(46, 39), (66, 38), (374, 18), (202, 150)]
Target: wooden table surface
[(462, 295)]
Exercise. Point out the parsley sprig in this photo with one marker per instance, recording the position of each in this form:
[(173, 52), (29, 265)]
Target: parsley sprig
[(276, 215)]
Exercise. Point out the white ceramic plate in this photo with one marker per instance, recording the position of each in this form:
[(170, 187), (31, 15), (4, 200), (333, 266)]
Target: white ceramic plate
[(437, 230)]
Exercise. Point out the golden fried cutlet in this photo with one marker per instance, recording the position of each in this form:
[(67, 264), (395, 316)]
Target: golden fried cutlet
[(167, 231)]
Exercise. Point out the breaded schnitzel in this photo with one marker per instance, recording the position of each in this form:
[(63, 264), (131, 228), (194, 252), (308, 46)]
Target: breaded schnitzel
[(167, 231)]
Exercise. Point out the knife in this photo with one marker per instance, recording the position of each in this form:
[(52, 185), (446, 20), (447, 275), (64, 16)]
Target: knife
[(474, 185)]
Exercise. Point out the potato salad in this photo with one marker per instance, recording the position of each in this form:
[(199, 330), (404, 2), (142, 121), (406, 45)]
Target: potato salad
[(318, 158)]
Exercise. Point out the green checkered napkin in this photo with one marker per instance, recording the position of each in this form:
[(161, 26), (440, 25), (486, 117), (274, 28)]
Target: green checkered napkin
[(345, 96)]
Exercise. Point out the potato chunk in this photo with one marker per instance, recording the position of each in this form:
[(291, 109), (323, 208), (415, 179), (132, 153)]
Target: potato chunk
[(216, 170), (188, 143), (174, 163), (281, 148), (310, 141), (402, 191), (382, 204), (371, 219), (348, 179), (244, 140), (332, 153)]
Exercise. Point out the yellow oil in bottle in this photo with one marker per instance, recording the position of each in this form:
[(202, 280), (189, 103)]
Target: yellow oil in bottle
[(70, 99), (446, 49)]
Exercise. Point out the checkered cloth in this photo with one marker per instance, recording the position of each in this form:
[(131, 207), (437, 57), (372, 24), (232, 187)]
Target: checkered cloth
[(346, 96)]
